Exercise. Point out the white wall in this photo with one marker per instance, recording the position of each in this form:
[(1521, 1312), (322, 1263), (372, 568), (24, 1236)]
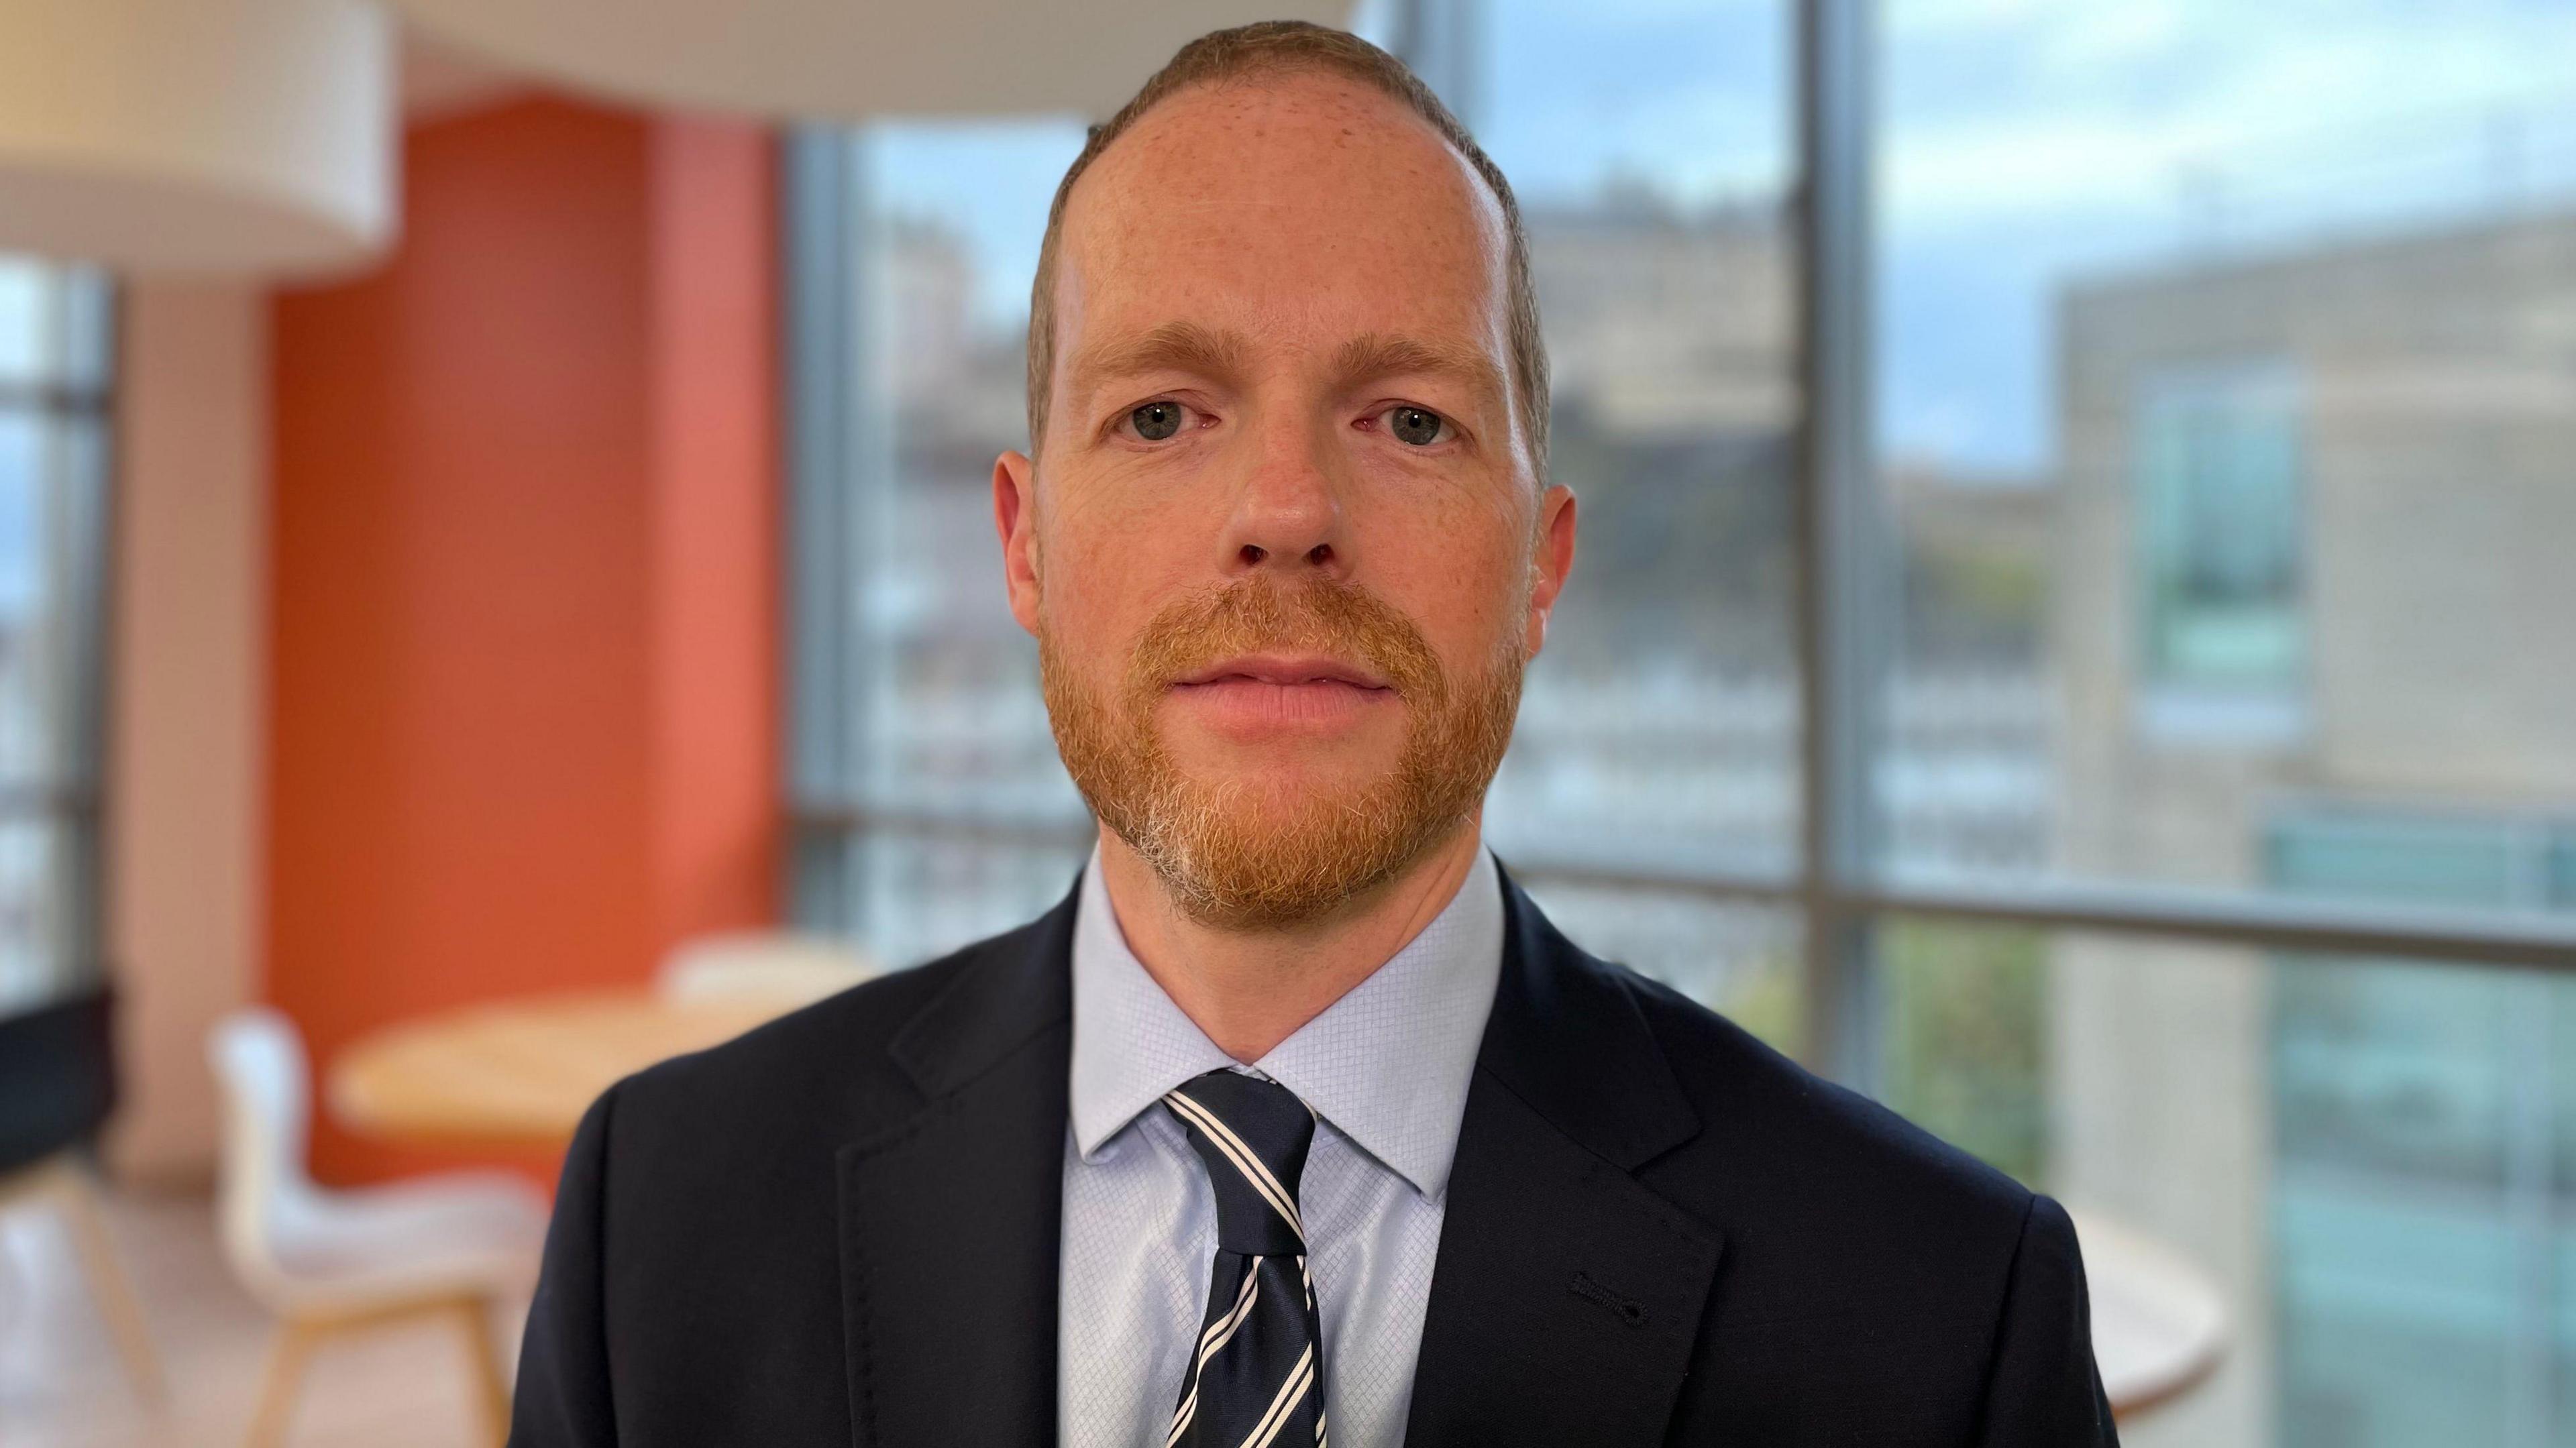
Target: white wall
[(185, 705)]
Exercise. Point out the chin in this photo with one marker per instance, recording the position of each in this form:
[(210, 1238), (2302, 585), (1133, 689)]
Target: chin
[(1288, 785), (1278, 856)]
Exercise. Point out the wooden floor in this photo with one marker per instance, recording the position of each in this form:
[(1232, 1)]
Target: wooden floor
[(61, 1385)]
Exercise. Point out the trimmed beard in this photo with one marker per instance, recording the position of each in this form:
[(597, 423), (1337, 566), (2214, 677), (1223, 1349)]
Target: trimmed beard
[(1238, 856)]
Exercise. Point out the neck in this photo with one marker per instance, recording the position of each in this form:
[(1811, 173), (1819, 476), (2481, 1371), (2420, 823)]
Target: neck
[(1250, 990)]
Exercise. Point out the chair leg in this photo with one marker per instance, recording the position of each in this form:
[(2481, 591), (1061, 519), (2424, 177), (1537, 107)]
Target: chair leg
[(491, 1387), (286, 1356), (107, 1281)]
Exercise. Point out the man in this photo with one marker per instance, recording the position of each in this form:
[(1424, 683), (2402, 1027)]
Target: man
[(1296, 1118)]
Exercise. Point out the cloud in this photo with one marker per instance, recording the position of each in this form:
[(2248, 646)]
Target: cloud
[(2090, 106)]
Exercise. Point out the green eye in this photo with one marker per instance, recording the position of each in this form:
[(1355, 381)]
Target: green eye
[(1415, 425), (1156, 421)]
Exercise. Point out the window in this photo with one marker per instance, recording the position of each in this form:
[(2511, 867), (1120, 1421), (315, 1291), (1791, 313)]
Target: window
[(54, 395), (1661, 724), (2218, 505), (935, 809), (2421, 1150), (2214, 432), (2065, 630)]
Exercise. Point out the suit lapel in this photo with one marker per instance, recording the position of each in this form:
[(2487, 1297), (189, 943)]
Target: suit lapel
[(1567, 1298), (950, 1217)]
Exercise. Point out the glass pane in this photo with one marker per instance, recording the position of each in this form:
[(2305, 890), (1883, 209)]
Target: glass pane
[(1961, 1013), (1742, 960), (53, 496), (52, 484), (2375, 1161), (950, 220), (53, 325), (47, 907), (2224, 408), (26, 305), (926, 895), (944, 716), (1650, 148)]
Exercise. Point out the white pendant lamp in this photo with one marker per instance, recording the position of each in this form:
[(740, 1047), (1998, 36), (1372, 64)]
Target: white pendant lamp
[(845, 59), (197, 136)]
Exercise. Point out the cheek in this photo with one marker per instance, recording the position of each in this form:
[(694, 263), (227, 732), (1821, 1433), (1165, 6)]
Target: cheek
[(1075, 605), (1457, 565), (1101, 575)]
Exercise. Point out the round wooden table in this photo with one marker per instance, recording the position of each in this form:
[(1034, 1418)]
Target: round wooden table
[(522, 1072), (2159, 1321)]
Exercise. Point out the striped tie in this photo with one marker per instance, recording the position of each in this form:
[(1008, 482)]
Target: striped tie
[(1256, 1377)]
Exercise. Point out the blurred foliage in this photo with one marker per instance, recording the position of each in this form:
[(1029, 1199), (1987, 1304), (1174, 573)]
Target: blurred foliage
[(1963, 1052), (1771, 1003)]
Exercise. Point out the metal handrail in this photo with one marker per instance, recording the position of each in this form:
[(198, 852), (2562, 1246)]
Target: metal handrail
[(2210, 915)]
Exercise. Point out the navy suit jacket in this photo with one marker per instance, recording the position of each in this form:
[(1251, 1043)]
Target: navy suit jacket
[(842, 1228)]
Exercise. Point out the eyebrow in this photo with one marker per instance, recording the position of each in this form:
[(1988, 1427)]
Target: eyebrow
[(1368, 358), (1171, 347), (1224, 355)]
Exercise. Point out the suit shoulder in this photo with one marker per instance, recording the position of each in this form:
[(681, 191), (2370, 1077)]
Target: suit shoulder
[(1812, 1141)]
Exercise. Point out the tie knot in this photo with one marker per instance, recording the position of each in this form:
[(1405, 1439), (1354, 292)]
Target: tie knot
[(1252, 1134)]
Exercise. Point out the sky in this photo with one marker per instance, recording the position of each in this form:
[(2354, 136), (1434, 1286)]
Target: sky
[(2029, 143), (2023, 144)]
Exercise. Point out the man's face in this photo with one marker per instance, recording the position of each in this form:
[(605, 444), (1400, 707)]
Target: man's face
[(1286, 554)]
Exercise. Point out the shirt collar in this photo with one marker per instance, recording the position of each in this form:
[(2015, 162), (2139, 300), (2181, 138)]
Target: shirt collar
[(1387, 1065)]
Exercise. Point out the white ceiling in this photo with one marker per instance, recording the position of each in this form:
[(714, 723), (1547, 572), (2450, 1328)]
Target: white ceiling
[(845, 59)]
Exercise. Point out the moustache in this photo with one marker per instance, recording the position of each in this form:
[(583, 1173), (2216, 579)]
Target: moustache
[(1259, 614)]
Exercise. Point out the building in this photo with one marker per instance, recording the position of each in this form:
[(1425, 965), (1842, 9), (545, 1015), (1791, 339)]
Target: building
[(2311, 622)]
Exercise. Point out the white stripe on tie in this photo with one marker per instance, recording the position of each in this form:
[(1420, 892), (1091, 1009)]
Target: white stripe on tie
[(1218, 1334), (1291, 1393), (1245, 1160), (1223, 1328)]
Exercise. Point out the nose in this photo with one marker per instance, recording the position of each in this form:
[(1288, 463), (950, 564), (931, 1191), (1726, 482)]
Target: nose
[(1288, 514)]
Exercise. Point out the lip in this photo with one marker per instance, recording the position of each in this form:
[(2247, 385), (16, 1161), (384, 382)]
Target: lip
[(1285, 669)]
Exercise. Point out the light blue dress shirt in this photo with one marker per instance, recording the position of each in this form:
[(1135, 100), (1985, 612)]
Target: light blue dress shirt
[(1386, 1069)]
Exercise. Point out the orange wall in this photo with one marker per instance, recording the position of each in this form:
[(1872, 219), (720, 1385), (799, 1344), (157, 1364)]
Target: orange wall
[(522, 622), (715, 527)]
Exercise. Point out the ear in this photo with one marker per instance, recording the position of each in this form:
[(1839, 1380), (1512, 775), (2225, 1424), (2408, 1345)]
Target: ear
[(1015, 517), (1554, 561)]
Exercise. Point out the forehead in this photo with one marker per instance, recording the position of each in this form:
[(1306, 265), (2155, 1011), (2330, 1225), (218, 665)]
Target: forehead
[(1300, 209)]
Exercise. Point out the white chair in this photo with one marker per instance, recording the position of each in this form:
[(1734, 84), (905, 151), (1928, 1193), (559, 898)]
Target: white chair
[(786, 968), (63, 1183), (444, 1247)]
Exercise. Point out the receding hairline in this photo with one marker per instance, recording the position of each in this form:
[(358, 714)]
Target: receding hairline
[(1286, 50), (1366, 100)]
